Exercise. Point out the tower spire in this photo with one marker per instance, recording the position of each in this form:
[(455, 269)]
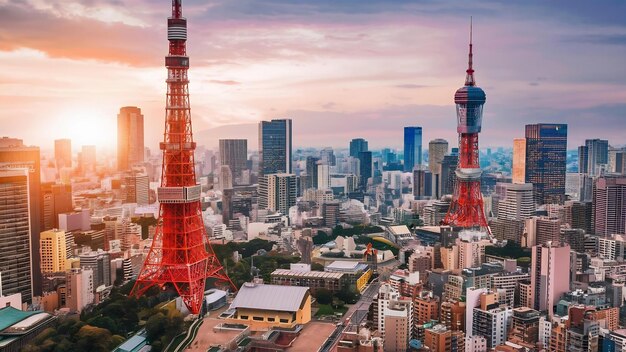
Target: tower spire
[(469, 79)]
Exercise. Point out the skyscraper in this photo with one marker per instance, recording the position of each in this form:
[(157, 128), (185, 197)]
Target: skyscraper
[(275, 147), (516, 206), (311, 171), (234, 154), (13, 154), (448, 175), (437, 149), (323, 176), (15, 247), (63, 153), (357, 146), (597, 155), (53, 251), (412, 147), (609, 205), (365, 168), (136, 188), (130, 145), (583, 159), (55, 199), (519, 160), (549, 275), (277, 192), (87, 158), (546, 158)]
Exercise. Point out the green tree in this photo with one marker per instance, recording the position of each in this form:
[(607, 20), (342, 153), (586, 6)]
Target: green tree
[(156, 326), (317, 267), (324, 296), (94, 339)]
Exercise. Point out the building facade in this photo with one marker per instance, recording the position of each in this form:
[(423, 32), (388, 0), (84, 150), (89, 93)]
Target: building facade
[(130, 141), (546, 159)]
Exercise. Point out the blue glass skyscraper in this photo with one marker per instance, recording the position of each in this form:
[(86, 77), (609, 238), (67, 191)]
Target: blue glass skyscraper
[(412, 147), (275, 147)]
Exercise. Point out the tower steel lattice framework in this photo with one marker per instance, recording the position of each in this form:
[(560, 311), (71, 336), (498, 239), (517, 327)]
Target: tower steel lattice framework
[(466, 209), (181, 255)]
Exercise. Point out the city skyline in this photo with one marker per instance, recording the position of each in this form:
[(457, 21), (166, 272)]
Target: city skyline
[(387, 66)]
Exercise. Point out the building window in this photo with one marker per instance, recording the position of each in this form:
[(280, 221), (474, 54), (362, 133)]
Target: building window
[(244, 317), (257, 318), (271, 319), (285, 321)]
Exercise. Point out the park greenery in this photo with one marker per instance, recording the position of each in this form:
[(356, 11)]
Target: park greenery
[(105, 326), (265, 260)]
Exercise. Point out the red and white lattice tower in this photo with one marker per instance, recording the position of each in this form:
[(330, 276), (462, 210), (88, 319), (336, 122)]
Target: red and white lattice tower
[(466, 209), (181, 256)]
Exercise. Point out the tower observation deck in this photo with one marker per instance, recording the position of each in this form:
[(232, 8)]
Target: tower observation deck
[(466, 209)]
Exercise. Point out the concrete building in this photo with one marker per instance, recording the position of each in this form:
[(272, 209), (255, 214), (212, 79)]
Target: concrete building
[(55, 199), (514, 207), (323, 176), (234, 154), (79, 289), (136, 188), (441, 339), (100, 263), (270, 306), (53, 251), (525, 327), (519, 160), (15, 237), (314, 280), (491, 320), (437, 149), (63, 153), (475, 344), (609, 205), (130, 141), (15, 155), (612, 248), (549, 275), (397, 327), (277, 192)]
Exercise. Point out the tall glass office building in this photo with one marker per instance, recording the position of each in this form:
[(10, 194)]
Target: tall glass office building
[(546, 161), (275, 147), (412, 147)]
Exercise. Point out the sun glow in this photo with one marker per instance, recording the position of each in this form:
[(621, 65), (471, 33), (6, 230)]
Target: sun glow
[(87, 126)]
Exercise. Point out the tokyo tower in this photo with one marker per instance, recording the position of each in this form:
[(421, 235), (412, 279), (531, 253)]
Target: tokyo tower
[(181, 256), (466, 209)]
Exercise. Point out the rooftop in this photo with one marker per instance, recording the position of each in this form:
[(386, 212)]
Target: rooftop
[(308, 274), (10, 316), (132, 343), (400, 230), (270, 297)]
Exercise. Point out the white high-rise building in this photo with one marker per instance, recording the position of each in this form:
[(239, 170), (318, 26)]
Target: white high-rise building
[(475, 344), (323, 176), (277, 192), (79, 285), (390, 297)]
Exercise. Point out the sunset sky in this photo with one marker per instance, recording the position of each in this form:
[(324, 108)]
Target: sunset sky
[(339, 69)]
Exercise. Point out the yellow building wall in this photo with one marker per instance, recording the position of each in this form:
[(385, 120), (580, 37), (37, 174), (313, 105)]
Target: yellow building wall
[(264, 318), (363, 280)]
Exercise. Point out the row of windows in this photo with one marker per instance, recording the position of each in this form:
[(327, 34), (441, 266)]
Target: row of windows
[(269, 319)]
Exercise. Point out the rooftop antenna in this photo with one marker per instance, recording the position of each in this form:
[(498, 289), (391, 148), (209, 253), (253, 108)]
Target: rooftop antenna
[(469, 79)]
